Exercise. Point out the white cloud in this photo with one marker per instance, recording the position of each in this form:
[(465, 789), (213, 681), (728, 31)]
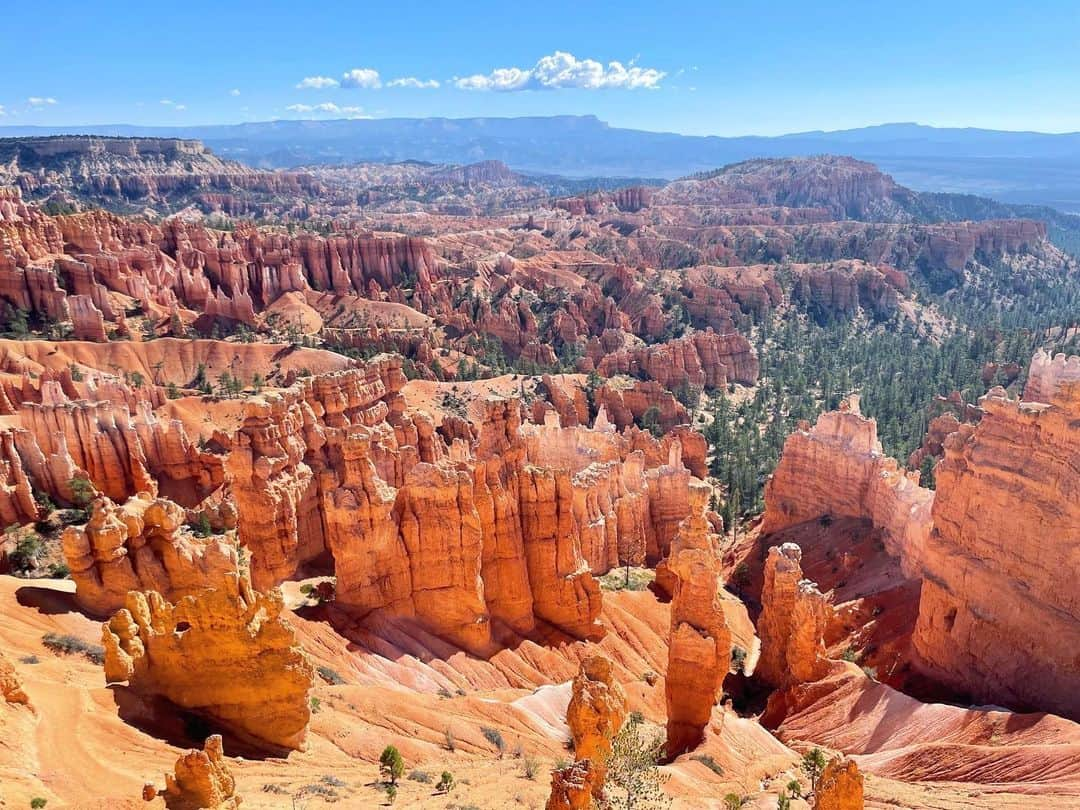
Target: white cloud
[(361, 77), (40, 101), (412, 81), (564, 70), (180, 107), (168, 102), (327, 107), (316, 83), (234, 92), (2, 110)]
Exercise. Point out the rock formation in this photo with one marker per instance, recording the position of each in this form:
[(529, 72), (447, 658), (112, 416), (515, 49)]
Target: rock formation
[(595, 714), (794, 615), (140, 545), (226, 653), (837, 468), (573, 786), (1047, 374), (10, 688), (840, 786), (699, 652), (201, 780), (994, 620)]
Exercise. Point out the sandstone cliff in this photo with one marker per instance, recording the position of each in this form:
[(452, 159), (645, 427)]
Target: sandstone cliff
[(994, 620), (226, 653), (837, 468)]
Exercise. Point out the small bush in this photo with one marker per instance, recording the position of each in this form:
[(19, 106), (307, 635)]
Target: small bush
[(330, 676), (423, 777), (29, 659), (391, 794), (271, 787), (494, 737), (850, 654), (530, 767), (636, 717), (451, 743), (794, 788), (59, 571), (325, 792), (446, 782), (445, 693), (316, 704), (709, 763), (332, 781), (70, 645), (38, 802), (870, 673)]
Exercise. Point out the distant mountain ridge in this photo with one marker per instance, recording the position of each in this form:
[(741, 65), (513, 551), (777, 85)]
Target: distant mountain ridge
[(1015, 167)]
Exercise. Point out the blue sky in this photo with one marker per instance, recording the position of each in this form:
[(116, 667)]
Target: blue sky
[(725, 68)]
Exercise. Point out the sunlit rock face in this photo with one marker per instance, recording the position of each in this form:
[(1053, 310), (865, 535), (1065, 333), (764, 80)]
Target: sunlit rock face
[(997, 618)]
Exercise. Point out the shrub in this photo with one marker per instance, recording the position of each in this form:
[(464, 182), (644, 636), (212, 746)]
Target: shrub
[(636, 717), (794, 788), (423, 777), (330, 676), (733, 801), (446, 782), (316, 704), (445, 693), (82, 491), (850, 654), (38, 802), (274, 788), (870, 673), (28, 550), (29, 659), (70, 645), (391, 764), (531, 767), (332, 781), (391, 794), (494, 737), (450, 741), (738, 659), (59, 571), (709, 763), (783, 802)]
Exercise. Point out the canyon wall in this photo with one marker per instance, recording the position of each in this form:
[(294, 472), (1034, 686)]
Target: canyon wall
[(998, 616), (837, 468)]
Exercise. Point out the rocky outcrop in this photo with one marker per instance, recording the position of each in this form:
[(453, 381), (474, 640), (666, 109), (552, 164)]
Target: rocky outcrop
[(699, 651), (227, 654), (11, 689), (994, 620), (840, 786), (1047, 374), (704, 360), (572, 786), (595, 714), (142, 545), (837, 468), (792, 624), (201, 780)]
